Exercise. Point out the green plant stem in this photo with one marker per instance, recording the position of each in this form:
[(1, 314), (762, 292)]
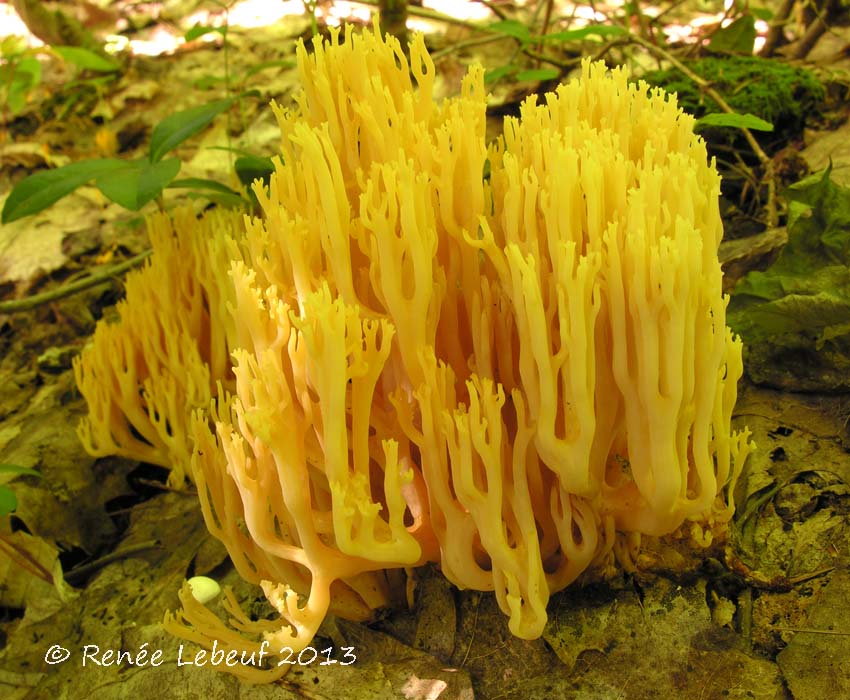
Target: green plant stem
[(228, 88), (227, 85), (310, 7), (104, 275)]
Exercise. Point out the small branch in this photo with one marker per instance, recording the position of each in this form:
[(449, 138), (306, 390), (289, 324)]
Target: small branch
[(818, 27), (815, 31), (465, 44), (777, 24), (104, 275), (493, 8), (80, 572), (657, 19), (439, 17), (812, 630), (547, 18), (557, 62)]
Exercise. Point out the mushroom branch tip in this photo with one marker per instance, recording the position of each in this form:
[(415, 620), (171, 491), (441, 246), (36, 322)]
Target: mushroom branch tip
[(404, 360)]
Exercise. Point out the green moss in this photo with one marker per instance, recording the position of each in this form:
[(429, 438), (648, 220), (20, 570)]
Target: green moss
[(775, 91)]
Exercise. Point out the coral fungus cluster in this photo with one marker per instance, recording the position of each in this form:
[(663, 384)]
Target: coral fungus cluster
[(509, 360)]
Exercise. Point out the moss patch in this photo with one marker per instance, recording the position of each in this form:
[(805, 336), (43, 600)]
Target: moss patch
[(777, 92)]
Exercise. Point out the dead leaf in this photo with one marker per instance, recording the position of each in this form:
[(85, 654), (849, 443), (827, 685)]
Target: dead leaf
[(30, 570)]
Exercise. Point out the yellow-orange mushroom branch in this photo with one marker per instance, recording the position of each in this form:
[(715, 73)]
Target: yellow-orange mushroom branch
[(510, 359)]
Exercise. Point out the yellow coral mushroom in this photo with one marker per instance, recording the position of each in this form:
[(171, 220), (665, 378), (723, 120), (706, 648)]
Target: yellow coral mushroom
[(143, 376), (513, 376)]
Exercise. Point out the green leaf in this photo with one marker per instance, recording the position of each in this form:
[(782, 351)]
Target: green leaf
[(28, 69), (738, 37), (12, 46), (200, 183), (538, 74), (39, 191), (512, 28), (827, 229), (499, 73), (250, 168), (8, 500), (282, 63), (820, 316), (207, 82), (175, 129), (738, 121), (223, 199), (16, 97), (20, 78), (760, 285), (232, 149), (200, 30), (138, 182), (15, 469), (602, 30), (87, 60), (212, 190), (795, 316), (833, 332)]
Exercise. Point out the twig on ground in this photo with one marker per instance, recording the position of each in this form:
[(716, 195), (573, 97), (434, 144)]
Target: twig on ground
[(103, 275)]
